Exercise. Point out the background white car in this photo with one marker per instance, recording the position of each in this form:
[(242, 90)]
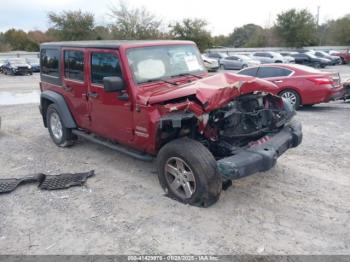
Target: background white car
[(211, 64)]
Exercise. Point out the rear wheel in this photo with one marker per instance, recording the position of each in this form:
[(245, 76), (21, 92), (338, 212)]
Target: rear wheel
[(244, 66), (60, 135), (317, 65), (292, 96), (187, 173)]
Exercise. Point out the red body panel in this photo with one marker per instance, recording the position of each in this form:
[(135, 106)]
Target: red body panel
[(134, 121)]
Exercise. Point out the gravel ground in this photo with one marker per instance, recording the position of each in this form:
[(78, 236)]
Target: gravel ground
[(301, 206)]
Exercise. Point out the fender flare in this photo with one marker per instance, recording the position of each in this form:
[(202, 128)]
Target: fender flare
[(62, 107)]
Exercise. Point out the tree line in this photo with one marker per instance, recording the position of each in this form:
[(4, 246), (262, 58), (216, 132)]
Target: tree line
[(292, 28)]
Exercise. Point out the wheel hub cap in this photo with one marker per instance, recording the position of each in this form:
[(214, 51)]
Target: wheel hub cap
[(290, 97), (180, 177), (56, 126)]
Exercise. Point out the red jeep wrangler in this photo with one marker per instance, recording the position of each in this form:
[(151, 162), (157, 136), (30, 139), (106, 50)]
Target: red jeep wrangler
[(153, 99)]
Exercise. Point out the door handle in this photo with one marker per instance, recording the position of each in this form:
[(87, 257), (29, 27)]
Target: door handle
[(93, 94)]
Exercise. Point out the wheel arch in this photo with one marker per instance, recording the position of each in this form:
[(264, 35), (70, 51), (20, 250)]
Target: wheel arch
[(49, 97)]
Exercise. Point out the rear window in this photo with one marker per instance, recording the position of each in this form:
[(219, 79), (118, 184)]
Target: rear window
[(265, 72), (74, 65), (307, 68), (249, 71), (49, 62)]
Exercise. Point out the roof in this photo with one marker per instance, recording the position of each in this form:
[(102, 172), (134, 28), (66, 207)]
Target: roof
[(111, 44)]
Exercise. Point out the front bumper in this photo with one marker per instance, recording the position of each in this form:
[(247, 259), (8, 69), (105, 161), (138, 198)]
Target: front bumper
[(261, 157)]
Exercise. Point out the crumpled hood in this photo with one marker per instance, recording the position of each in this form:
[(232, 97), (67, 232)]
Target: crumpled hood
[(212, 92)]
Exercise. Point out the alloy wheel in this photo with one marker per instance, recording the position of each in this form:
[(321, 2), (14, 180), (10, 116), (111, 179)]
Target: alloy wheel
[(56, 126), (291, 97), (180, 178)]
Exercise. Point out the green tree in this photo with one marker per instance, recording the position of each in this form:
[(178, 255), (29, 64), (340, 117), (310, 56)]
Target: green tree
[(249, 35), (336, 32), (296, 28), (72, 25), (194, 30), (19, 40), (220, 40), (134, 23), (102, 33)]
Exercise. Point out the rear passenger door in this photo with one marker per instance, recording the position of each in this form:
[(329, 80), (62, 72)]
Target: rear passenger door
[(277, 75), (110, 112), (74, 84)]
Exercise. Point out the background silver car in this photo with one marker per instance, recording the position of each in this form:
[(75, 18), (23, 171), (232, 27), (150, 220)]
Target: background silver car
[(211, 64), (269, 57), (237, 62)]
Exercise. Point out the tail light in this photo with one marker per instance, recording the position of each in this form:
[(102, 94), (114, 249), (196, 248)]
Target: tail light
[(333, 80), (321, 80)]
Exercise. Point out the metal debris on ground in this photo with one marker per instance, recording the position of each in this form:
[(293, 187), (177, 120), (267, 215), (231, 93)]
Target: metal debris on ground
[(46, 182)]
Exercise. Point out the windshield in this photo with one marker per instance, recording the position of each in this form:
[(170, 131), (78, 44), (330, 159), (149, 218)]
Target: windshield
[(311, 55), (161, 62), (306, 68), (17, 61), (33, 60), (244, 57)]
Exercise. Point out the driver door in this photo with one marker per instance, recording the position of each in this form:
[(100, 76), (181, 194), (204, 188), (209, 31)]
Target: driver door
[(110, 112)]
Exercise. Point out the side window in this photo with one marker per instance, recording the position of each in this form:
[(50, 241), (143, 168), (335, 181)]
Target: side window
[(249, 71), (49, 62), (265, 72), (74, 65), (103, 65)]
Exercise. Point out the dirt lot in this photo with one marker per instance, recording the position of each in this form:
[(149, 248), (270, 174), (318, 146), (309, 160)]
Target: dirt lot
[(301, 206)]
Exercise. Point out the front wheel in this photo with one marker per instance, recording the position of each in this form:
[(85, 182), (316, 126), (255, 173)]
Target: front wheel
[(292, 96), (187, 173), (60, 135)]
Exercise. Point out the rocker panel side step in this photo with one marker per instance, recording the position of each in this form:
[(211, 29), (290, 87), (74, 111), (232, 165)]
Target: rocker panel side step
[(119, 148)]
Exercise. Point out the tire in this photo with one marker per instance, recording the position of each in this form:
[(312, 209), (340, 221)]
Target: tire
[(222, 67), (244, 66), (60, 135), (192, 166), (292, 96), (309, 105), (278, 62), (317, 65)]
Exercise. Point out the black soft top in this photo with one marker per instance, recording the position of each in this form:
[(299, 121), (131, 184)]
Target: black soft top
[(110, 44)]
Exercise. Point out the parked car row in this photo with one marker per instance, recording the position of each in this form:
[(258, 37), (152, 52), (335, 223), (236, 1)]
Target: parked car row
[(233, 60), (19, 66)]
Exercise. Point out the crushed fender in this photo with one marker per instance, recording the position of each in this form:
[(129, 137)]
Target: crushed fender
[(46, 182)]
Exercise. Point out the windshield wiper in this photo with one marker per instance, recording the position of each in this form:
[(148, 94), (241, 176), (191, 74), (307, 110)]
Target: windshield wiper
[(187, 74), (158, 79)]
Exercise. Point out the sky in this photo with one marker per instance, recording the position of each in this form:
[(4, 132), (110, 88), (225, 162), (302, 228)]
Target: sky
[(223, 15)]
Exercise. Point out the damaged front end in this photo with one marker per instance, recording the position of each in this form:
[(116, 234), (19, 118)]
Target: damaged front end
[(245, 136)]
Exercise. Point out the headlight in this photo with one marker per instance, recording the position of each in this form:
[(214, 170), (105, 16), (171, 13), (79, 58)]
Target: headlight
[(29, 66)]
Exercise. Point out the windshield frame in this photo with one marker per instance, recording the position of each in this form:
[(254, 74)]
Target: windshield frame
[(169, 77)]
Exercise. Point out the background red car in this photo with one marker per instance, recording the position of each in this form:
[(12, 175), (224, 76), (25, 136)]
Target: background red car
[(301, 85)]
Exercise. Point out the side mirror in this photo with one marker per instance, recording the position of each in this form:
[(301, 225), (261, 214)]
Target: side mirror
[(113, 84)]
